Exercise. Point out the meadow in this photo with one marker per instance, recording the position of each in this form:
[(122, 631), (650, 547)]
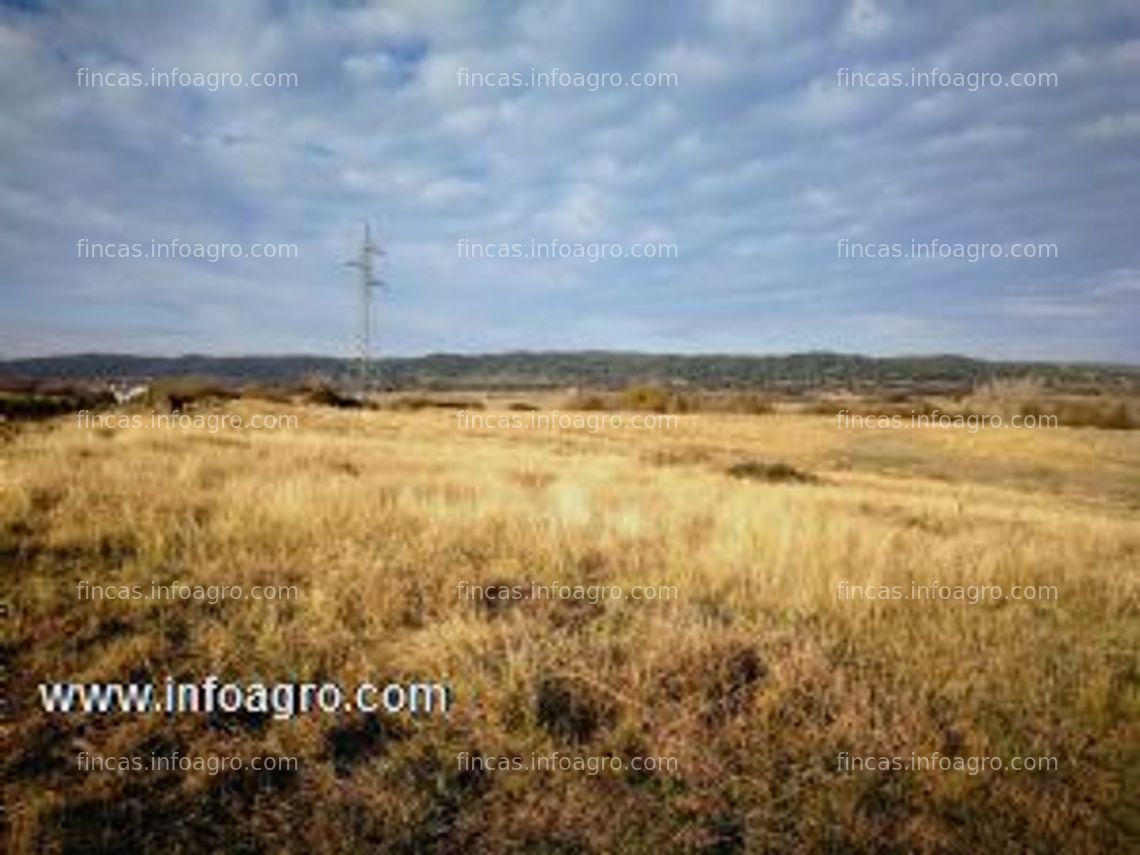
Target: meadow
[(752, 680)]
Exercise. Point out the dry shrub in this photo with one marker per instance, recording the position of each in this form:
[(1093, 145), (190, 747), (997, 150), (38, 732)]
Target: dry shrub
[(718, 683), (1097, 413), (570, 711), (650, 398), (188, 390), (1029, 397), (264, 392), (772, 473), (325, 395), (1011, 388), (423, 402), (999, 399), (658, 400), (590, 402), (19, 406)]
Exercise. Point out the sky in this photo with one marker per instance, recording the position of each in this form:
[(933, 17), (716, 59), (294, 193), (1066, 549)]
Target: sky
[(750, 164)]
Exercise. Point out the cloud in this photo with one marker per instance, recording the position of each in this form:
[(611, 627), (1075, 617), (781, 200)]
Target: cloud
[(1101, 297), (754, 163), (1112, 126), (866, 19), (1059, 308)]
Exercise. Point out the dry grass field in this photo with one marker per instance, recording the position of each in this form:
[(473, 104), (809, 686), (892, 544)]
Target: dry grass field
[(754, 677)]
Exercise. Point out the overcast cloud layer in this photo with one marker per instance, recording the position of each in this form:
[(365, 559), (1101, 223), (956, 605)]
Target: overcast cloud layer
[(755, 164)]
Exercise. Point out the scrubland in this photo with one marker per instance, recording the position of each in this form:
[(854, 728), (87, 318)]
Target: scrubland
[(754, 677)]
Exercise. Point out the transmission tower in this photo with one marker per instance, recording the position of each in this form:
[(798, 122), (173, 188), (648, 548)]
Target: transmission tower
[(369, 282)]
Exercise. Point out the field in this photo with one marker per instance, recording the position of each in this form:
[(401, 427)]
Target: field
[(754, 677)]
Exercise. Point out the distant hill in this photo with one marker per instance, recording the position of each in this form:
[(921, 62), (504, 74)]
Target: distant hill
[(594, 369)]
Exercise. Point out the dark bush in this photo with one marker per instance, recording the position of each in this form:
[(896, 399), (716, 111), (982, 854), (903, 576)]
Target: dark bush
[(775, 473)]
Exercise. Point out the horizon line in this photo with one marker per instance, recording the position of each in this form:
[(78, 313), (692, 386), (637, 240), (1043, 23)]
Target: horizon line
[(571, 353)]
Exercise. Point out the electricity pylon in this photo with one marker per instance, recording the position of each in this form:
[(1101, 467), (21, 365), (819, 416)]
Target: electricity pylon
[(369, 282)]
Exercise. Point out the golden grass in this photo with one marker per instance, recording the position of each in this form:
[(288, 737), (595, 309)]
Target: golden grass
[(753, 678)]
